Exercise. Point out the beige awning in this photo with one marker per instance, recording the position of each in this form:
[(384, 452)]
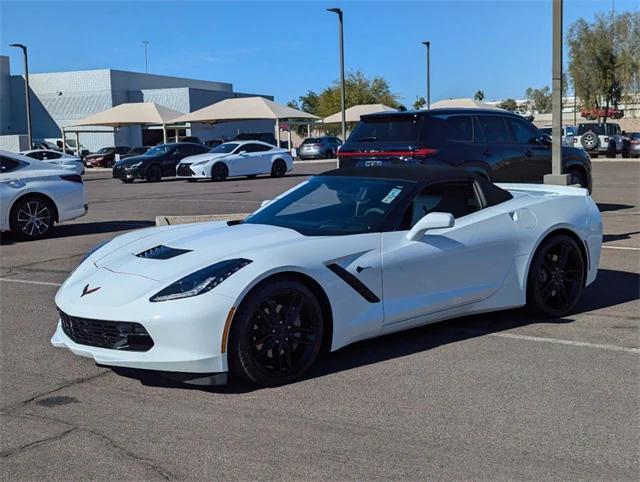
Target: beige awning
[(131, 114), (352, 114), (466, 103), (244, 108)]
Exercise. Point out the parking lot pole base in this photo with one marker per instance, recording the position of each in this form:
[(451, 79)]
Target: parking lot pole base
[(557, 179)]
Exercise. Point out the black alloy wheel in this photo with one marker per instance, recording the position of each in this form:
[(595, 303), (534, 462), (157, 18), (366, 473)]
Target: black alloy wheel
[(31, 218), (279, 168), (154, 173), (219, 172), (276, 334), (556, 277)]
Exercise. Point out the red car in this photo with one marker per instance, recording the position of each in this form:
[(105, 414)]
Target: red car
[(105, 157), (595, 114)]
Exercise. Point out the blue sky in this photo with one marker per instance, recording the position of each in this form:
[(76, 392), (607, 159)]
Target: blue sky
[(287, 48)]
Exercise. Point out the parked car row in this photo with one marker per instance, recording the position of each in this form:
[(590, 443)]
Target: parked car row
[(195, 161)]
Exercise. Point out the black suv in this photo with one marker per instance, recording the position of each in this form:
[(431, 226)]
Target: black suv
[(501, 146), (157, 162)]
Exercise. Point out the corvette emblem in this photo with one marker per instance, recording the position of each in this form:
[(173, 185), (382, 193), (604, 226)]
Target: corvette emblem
[(87, 291)]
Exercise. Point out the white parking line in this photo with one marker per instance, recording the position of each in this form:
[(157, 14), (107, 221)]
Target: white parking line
[(559, 341), (624, 248), (30, 282)]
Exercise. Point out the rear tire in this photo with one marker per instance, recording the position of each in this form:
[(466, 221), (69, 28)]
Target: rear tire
[(154, 173), (31, 217), (127, 180), (556, 277), (276, 333), (577, 177), (278, 168)]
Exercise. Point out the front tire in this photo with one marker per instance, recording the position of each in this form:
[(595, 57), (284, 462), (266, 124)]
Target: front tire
[(276, 334), (556, 277), (577, 177), (154, 173), (219, 172), (31, 217)]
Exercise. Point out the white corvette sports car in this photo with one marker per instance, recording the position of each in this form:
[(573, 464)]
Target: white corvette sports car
[(346, 255), (236, 158)]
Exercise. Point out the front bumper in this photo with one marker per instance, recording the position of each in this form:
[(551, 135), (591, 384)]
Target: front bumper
[(191, 171), (122, 172)]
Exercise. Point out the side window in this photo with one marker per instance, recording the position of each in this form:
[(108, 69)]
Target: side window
[(494, 129), (261, 148), (7, 164), (52, 155), (522, 131), (457, 198), (33, 155)]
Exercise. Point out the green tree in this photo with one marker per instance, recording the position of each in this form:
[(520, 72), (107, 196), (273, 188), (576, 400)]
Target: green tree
[(508, 104), (604, 59), (479, 95), (419, 103), (359, 90), (539, 100)]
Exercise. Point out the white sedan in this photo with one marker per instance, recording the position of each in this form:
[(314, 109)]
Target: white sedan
[(34, 195), (346, 255), (57, 158), (236, 158)]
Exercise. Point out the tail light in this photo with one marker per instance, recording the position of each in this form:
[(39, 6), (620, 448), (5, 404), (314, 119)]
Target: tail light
[(72, 178), (413, 154), (635, 141), (606, 139)]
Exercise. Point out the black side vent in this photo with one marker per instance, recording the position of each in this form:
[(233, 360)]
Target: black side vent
[(354, 282), (162, 252)]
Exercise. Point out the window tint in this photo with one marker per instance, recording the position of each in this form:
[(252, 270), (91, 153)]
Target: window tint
[(494, 128), (51, 155), (458, 199), (7, 164), (597, 128), (522, 131), (614, 129), (255, 148), (387, 129), (34, 155), (453, 128)]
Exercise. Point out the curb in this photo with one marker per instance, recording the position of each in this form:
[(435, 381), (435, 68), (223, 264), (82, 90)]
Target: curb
[(203, 218)]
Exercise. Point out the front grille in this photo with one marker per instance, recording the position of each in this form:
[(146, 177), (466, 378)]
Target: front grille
[(118, 172), (115, 335), (184, 170)]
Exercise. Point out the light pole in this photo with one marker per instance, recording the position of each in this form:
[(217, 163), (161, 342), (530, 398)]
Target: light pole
[(26, 90), (342, 88), (146, 64), (428, 44)]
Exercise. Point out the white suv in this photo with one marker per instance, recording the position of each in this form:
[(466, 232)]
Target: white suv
[(599, 139)]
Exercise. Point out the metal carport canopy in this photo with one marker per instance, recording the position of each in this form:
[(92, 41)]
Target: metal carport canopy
[(134, 113), (246, 108), (352, 114)]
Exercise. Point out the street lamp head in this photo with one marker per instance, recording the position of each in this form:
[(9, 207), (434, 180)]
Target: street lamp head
[(426, 43), (20, 46), (335, 10)]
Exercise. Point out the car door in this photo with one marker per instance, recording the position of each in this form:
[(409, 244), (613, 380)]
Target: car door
[(9, 185), (446, 268), (251, 159), (535, 160), (492, 143)]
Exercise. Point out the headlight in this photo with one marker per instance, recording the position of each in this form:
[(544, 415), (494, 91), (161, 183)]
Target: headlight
[(201, 281), (135, 165), (200, 163), (94, 249)]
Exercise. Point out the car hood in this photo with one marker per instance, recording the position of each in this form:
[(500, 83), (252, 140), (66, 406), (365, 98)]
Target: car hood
[(135, 159), (207, 156), (203, 244)]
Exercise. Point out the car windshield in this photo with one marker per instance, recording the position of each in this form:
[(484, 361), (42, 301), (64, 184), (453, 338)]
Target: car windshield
[(597, 128), (387, 129), (334, 205), (224, 148), (161, 149), (105, 150)]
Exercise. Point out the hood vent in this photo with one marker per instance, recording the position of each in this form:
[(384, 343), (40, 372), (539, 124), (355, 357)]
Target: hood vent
[(162, 252)]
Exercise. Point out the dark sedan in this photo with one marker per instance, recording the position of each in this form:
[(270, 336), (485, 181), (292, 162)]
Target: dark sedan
[(156, 163), (135, 151), (501, 146)]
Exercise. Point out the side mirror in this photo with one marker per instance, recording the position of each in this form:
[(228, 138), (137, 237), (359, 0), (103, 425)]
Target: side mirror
[(265, 202), (430, 221)]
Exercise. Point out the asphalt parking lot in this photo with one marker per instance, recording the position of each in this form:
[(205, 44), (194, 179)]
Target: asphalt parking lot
[(500, 396)]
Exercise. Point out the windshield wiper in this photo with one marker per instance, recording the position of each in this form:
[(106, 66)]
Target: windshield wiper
[(370, 138)]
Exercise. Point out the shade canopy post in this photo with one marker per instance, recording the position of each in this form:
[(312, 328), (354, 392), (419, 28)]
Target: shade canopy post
[(164, 133), (278, 132), (289, 139), (77, 145)]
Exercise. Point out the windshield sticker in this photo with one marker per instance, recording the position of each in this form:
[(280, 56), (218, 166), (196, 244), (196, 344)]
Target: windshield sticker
[(388, 199)]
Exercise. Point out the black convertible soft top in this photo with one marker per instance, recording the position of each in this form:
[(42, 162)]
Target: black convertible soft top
[(426, 174)]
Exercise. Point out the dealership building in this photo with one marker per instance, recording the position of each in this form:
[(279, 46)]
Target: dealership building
[(60, 99)]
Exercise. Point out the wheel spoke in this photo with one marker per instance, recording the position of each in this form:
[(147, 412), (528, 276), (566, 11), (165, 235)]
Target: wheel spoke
[(292, 312), (547, 290), (563, 257)]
